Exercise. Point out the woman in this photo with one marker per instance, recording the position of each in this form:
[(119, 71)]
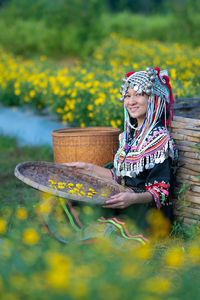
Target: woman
[(146, 153)]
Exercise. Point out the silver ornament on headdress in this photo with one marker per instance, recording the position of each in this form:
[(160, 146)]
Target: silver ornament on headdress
[(146, 82)]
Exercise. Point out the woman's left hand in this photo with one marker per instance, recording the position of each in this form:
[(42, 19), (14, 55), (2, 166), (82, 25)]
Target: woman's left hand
[(121, 200)]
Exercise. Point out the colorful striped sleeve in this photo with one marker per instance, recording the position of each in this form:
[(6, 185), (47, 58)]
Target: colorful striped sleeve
[(158, 183)]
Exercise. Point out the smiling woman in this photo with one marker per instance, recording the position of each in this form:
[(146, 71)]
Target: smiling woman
[(136, 105), (146, 153)]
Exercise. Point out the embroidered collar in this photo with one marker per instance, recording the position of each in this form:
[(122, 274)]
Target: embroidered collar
[(133, 158)]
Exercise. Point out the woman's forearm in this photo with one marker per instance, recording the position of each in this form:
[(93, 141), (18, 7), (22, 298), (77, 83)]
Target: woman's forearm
[(100, 171), (142, 198)]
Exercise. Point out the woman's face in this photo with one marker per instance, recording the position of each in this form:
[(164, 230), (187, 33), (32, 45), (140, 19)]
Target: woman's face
[(136, 105)]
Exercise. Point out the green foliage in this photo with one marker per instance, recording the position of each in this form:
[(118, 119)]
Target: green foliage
[(75, 28), (51, 27)]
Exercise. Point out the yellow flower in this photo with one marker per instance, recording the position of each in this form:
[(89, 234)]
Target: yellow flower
[(43, 57), (59, 261), (113, 124), (144, 252), (90, 107), (26, 99), (45, 207), (72, 192), (17, 92), (88, 210), (174, 257), (3, 226), (157, 285), (30, 236), (78, 185), (91, 115), (119, 122), (32, 94), (82, 125), (82, 193), (61, 186), (173, 73), (21, 213), (57, 279), (59, 110)]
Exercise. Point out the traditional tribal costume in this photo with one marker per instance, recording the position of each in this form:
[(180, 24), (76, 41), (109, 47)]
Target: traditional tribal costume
[(143, 162), (145, 156)]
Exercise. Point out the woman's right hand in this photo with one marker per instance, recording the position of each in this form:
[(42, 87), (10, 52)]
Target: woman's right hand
[(80, 165)]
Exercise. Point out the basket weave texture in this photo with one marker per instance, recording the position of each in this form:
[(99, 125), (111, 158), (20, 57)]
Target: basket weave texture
[(96, 145), (37, 174), (186, 133)]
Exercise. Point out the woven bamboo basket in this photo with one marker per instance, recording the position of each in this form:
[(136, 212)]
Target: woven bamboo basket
[(60, 181), (186, 133), (91, 144)]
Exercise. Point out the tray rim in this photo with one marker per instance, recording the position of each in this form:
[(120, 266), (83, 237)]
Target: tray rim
[(58, 193)]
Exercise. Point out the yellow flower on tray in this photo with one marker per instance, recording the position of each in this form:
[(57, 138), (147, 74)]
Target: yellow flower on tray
[(72, 192), (70, 185), (79, 186), (61, 185)]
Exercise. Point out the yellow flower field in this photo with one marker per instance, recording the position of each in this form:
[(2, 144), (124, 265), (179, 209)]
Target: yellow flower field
[(86, 93)]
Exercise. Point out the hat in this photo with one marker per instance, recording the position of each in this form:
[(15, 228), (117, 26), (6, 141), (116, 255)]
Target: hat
[(152, 82)]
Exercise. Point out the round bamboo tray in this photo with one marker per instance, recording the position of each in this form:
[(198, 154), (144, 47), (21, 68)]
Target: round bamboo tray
[(96, 145), (186, 133), (60, 180)]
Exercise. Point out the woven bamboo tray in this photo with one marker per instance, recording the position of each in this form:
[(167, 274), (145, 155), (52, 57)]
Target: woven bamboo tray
[(37, 175), (186, 133), (96, 145)]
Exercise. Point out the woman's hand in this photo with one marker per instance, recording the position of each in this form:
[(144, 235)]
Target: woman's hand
[(121, 200), (94, 169), (80, 165)]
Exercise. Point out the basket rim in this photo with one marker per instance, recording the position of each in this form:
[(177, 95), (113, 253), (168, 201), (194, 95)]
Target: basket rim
[(86, 131)]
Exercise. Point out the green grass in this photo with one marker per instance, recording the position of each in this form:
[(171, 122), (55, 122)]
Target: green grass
[(14, 191)]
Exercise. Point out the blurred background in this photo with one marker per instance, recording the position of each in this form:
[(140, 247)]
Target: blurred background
[(66, 28)]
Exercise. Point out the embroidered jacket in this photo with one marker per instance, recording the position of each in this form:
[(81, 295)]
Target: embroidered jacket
[(147, 166)]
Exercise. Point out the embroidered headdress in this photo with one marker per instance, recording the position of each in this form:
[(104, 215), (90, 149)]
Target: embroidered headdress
[(152, 144)]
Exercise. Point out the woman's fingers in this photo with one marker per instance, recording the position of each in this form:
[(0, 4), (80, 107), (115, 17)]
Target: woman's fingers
[(115, 205), (117, 196)]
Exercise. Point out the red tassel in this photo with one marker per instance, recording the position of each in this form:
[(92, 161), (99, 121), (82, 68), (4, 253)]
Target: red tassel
[(170, 108), (129, 74)]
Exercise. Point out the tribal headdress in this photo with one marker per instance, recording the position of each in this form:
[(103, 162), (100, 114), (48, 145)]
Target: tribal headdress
[(149, 147)]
